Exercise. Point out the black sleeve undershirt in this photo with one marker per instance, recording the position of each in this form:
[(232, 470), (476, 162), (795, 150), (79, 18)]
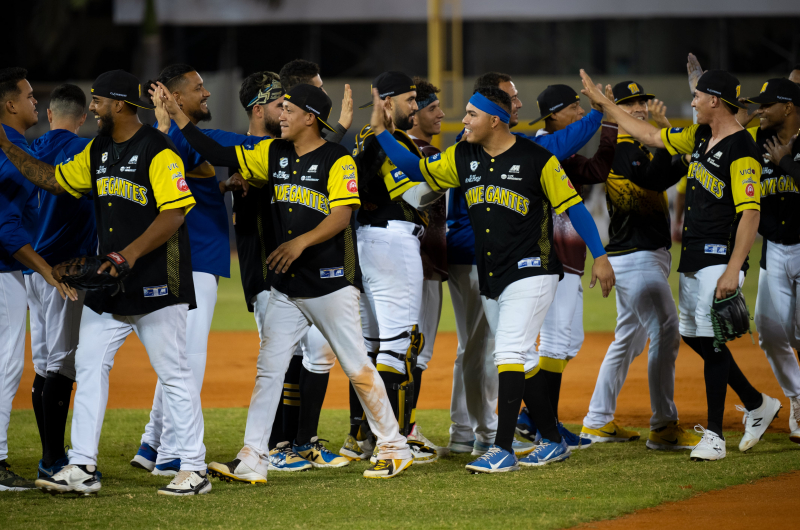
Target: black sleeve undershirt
[(214, 153)]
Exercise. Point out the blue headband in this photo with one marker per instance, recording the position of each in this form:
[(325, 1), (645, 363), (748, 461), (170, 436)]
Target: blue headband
[(422, 103), (481, 102)]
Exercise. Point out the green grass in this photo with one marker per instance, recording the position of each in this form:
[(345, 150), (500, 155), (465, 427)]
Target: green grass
[(598, 314), (597, 483)]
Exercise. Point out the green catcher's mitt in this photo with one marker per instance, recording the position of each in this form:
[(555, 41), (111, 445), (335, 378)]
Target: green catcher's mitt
[(730, 318)]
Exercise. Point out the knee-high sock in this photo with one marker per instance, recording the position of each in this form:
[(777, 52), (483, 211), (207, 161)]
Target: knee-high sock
[(537, 399), (391, 378), (38, 408), (511, 387), (715, 372), (552, 371), (56, 396), (292, 398), (312, 391), (417, 373), (277, 436), (356, 412)]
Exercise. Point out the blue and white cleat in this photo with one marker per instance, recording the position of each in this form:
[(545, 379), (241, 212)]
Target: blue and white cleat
[(58, 465), (495, 460), (463, 447), (522, 448), (526, 428), (573, 440), (546, 453), (283, 458), (145, 458), (318, 455), (167, 469)]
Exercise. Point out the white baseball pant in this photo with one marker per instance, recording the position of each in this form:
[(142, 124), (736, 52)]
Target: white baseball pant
[(55, 324), (286, 321), (160, 431), (12, 347), (430, 313), (163, 334), (645, 308), (317, 356), (391, 269), (474, 398), (696, 291)]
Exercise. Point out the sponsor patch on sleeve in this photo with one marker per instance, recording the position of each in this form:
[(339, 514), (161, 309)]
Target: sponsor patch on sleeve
[(529, 262), (336, 272), (716, 249), (398, 175), (676, 130), (156, 291), (434, 158)]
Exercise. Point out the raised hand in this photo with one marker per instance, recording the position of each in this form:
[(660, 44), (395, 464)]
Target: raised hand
[(595, 106), (592, 91), (381, 119), (695, 72), (610, 96), (658, 111), (346, 116), (162, 115)]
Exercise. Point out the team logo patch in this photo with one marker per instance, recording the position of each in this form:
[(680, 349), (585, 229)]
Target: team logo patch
[(750, 190), (282, 175), (633, 88), (352, 187), (336, 272), (181, 184), (514, 169), (473, 178), (738, 90), (676, 130), (156, 291), (284, 162), (473, 165), (720, 250), (312, 169), (718, 155), (397, 175), (101, 170), (434, 158), (133, 160), (104, 157), (529, 262)]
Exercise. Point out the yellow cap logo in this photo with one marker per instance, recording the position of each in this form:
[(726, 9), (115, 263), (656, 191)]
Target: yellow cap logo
[(764, 88), (633, 88), (739, 90), (140, 90)]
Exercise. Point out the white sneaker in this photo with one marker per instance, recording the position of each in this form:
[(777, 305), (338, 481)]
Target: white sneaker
[(417, 436), (423, 454), (235, 470), (794, 419), (756, 421), (187, 483), (711, 446), (71, 478)]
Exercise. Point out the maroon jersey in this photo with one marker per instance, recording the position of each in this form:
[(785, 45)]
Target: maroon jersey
[(434, 242)]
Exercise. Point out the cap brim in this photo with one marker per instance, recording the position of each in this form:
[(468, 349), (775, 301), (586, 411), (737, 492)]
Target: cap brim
[(141, 104), (540, 118), (735, 104), (760, 100), (325, 124), (366, 105), (645, 96)]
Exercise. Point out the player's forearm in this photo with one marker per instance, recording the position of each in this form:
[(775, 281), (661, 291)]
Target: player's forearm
[(400, 156), (160, 230), (209, 148), (41, 174), (334, 223), (584, 224), (745, 236), (639, 129), (28, 257)]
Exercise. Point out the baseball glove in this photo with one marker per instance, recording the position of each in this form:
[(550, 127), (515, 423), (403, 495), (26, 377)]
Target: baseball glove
[(81, 273), (730, 318)]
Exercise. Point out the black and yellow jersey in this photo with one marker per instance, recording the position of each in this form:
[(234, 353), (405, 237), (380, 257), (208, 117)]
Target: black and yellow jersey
[(255, 239), (509, 199), (304, 189), (130, 190), (636, 198), (722, 182), (382, 183)]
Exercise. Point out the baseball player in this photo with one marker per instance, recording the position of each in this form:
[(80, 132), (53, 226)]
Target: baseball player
[(561, 336), (319, 287), (776, 303), (18, 213), (140, 222), (474, 397), (720, 223), (517, 265), (639, 241), (65, 229), (389, 254)]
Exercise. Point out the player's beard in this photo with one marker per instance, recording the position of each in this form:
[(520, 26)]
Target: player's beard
[(198, 115), (106, 127), (273, 127), (405, 123)]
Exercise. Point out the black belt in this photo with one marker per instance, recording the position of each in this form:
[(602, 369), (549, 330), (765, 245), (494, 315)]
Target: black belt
[(385, 224), (787, 242)]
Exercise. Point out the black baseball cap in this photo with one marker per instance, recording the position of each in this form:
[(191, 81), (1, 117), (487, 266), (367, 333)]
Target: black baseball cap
[(311, 99), (390, 84), (779, 90), (629, 90), (122, 86), (721, 84), (554, 98)]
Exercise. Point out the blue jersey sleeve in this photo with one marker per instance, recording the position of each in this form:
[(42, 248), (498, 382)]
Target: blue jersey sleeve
[(14, 198), (568, 141)]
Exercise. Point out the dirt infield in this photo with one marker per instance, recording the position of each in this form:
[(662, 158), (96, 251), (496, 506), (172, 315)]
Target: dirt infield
[(230, 376)]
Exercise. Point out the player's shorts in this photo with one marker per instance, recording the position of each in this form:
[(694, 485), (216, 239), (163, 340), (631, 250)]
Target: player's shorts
[(697, 290)]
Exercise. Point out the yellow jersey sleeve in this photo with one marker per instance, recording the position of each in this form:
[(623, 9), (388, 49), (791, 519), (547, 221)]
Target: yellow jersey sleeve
[(397, 182), (168, 182), (679, 140), (439, 170), (681, 186), (753, 132), (75, 176), (343, 183), (254, 162), (557, 187), (745, 184)]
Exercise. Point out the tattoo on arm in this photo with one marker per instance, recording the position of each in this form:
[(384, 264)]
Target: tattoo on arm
[(41, 174)]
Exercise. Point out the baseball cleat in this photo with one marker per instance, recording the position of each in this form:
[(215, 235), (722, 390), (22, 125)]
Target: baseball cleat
[(71, 478), (235, 470), (417, 436), (423, 454), (10, 481), (167, 469), (318, 455), (145, 458), (546, 453), (388, 467), (711, 446), (672, 437), (351, 449), (282, 458), (526, 428), (522, 448), (756, 421), (495, 460), (461, 447), (58, 465), (610, 432), (187, 483), (573, 440), (794, 419)]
